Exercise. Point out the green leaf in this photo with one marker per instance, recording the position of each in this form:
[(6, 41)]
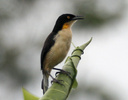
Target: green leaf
[(75, 84), (28, 96)]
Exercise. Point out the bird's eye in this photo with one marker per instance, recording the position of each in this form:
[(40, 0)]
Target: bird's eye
[(68, 17)]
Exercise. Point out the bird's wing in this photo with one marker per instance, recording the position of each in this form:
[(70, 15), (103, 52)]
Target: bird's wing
[(47, 46)]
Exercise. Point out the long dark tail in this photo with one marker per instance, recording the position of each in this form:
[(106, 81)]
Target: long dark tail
[(45, 82)]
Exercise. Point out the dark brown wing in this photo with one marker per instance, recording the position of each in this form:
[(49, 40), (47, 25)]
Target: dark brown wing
[(49, 42)]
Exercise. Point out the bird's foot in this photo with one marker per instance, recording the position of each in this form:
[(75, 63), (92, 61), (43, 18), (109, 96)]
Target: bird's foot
[(57, 81), (64, 72)]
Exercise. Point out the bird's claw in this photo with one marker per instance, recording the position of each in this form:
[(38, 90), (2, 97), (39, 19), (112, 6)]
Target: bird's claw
[(64, 72), (57, 81)]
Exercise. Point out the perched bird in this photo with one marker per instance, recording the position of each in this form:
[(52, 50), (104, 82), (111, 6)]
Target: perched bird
[(56, 46)]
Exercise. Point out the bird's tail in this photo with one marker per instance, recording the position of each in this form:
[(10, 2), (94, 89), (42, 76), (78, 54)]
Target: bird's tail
[(45, 82)]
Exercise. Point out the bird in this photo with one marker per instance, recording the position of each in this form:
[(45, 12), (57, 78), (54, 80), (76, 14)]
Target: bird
[(56, 46)]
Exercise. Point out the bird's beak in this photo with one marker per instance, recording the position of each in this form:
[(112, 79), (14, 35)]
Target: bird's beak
[(78, 18)]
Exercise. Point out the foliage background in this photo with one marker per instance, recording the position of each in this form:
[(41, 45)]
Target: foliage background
[(102, 72)]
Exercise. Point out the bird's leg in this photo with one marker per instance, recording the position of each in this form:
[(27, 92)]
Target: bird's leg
[(63, 72), (55, 80)]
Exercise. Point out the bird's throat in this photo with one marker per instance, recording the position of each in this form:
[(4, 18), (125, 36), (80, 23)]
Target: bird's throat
[(65, 26), (68, 24)]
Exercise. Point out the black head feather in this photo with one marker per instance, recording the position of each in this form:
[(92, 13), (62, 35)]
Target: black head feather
[(61, 20)]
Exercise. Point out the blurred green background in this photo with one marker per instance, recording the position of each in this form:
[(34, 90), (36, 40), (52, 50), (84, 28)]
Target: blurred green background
[(24, 26)]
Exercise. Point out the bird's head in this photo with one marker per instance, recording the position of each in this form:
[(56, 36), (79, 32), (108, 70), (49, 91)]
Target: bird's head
[(65, 21)]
